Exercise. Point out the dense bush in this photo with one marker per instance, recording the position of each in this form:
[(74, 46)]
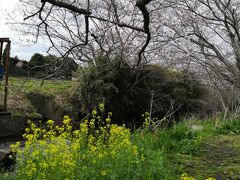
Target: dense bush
[(127, 92)]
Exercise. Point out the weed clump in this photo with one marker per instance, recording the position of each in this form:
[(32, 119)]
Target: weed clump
[(231, 126)]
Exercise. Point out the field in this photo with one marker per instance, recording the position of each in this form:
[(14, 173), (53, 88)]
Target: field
[(19, 87)]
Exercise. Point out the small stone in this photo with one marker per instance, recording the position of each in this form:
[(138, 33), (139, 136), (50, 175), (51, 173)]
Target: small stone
[(196, 127)]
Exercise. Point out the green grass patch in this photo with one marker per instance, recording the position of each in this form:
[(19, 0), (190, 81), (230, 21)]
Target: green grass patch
[(217, 154), (33, 85), (219, 158)]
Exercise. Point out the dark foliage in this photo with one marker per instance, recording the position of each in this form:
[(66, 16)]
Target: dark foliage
[(127, 92), (7, 163)]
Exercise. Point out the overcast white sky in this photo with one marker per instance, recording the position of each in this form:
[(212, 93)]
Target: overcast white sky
[(20, 48)]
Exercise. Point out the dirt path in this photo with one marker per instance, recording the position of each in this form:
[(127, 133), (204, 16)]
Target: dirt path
[(219, 157)]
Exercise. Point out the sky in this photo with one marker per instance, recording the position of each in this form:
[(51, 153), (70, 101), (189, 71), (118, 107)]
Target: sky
[(19, 47)]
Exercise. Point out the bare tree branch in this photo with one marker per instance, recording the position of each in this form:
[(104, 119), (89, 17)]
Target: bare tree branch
[(71, 7), (141, 4)]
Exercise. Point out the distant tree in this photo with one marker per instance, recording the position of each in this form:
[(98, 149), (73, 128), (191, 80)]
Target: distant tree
[(49, 59), (69, 67), (61, 68), (45, 67), (37, 60), (14, 60)]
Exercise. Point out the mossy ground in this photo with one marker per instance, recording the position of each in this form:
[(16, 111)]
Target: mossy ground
[(218, 157)]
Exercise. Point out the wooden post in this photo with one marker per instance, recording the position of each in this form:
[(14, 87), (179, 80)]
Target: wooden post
[(6, 75), (1, 49), (151, 106)]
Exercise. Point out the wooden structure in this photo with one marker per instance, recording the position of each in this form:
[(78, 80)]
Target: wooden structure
[(6, 41)]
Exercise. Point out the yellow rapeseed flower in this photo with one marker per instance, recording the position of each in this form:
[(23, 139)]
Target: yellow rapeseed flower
[(103, 173), (186, 176), (50, 122)]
